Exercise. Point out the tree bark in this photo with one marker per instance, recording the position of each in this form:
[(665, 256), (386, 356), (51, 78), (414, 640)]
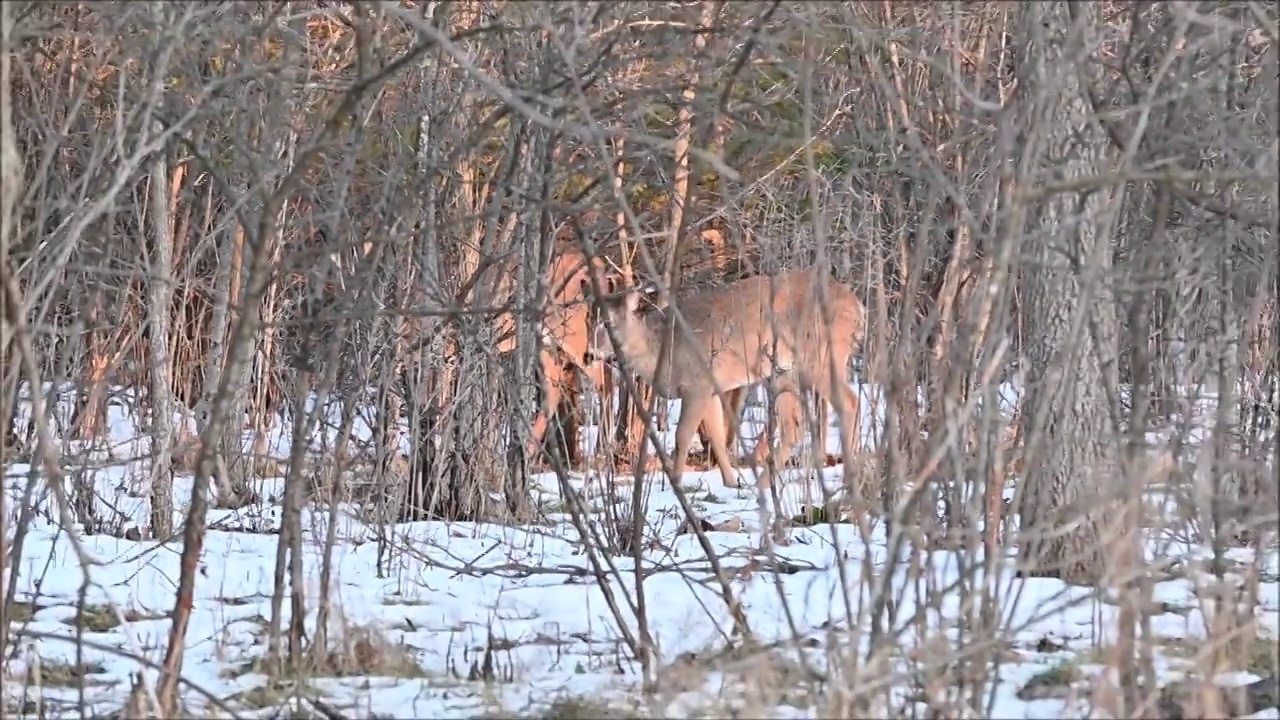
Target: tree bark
[(11, 179), (1070, 429), (160, 283)]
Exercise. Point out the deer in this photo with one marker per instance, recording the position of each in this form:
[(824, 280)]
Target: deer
[(564, 336), (787, 407), (785, 394), (735, 335)]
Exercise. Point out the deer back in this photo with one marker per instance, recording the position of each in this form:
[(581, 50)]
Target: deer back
[(745, 331), (565, 315)]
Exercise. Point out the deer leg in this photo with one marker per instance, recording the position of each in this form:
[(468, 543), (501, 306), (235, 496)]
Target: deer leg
[(569, 411), (552, 374), (693, 412), (732, 402), (600, 380), (790, 410), (852, 419), (787, 408), (822, 424), (842, 399), (846, 408), (713, 421)]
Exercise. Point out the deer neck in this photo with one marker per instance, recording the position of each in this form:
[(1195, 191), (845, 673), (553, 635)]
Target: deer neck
[(642, 348)]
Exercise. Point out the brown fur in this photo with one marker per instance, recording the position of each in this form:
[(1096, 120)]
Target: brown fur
[(740, 334), (565, 338)]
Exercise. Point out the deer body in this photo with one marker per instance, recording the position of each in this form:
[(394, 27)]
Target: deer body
[(737, 335), (565, 337)]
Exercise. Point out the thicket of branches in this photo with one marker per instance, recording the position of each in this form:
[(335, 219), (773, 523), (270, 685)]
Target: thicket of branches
[(244, 214)]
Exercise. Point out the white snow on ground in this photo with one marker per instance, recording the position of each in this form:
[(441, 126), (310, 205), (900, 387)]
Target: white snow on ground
[(451, 590)]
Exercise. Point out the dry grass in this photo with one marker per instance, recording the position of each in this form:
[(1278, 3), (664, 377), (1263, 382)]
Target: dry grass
[(95, 618), (359, 651), (365, 651), (65, 674)]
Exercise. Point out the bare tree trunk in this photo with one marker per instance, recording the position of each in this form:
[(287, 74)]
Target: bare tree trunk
[(160, 282), (902, 397), (231, 480), (528, 384), (226, 298), (91, 408), (289, 545), (1070, 429), (442, 480), (628, 433), (608, 427), (11, 180), (387, 433), (334, 473), (266, 390), (427, 376)]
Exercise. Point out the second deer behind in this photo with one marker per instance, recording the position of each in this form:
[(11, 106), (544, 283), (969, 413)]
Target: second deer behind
[(730, 336)]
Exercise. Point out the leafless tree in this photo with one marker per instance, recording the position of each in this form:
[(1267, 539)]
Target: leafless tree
[(1071, 358), (312, 216)]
